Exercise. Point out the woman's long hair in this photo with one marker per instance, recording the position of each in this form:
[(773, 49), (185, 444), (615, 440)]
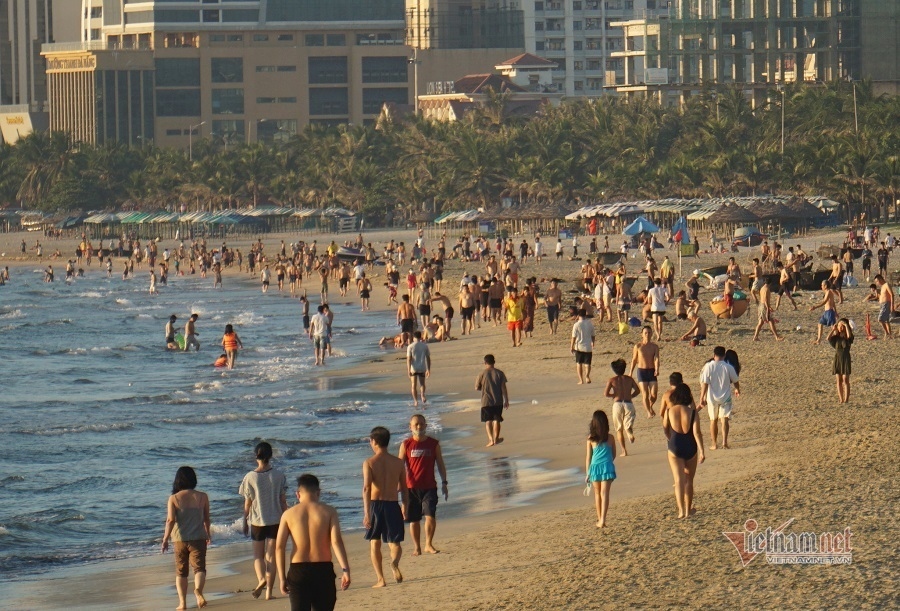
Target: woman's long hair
[(599, 430), (185, 479)]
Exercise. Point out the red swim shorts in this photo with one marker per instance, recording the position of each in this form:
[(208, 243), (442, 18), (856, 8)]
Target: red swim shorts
[(729, 301), (514, 324)]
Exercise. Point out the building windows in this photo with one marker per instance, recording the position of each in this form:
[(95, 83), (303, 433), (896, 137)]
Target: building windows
[(173, 132), (227, 70), (287, 100), (217, 38), (235, 38), (228, 131), (374, 99), (181, 40), (336, 40), (538, 6), (328, 101), (576, 5), (285, 38), (579, 85), (243, 16), (381, 38), (538, 26), (315, 40), (324, 70), (178, 72), (260, 38), (276, 68), (578, 65), (576, 25), (228, 101), (275, 130), (177, 103), (593, 64), (210, 16), (577, 45), (539, 45), (385, 69)]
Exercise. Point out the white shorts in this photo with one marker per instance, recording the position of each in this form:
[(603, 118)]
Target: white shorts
[(623, 416), (718, 410)]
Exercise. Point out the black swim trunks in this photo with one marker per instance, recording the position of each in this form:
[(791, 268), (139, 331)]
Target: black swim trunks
[(552, 312), (311, 586), (407, 325), (491, 413), (495, 303), (424, 310), (583, 358), (386, 521), (468, 313), (261, 533), (422, 502), (646, 375)]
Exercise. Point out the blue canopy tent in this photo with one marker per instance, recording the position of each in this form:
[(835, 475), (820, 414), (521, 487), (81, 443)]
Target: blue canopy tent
[(640, 225)]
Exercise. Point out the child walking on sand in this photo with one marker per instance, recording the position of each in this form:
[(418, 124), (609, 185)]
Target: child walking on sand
[(601, 452), (622, 389)]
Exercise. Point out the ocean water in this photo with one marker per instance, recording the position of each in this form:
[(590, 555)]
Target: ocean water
[(96, 415)]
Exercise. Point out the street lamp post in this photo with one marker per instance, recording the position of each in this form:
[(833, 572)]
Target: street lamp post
[(855, 114), (415, 64), (191, 139), (783, 98)]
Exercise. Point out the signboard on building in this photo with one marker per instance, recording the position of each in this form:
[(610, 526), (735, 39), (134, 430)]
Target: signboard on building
[(75, 63), (15, 125), (656, 76), (440, 88)]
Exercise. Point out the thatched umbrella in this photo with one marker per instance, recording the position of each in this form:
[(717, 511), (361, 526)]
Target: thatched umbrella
[(731, 214), (771, 210)]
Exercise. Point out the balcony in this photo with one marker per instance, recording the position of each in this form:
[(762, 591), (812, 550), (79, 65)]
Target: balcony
[(95, 45)]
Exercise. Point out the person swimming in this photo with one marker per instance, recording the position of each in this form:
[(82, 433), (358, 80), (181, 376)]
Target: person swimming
[(222, 361)]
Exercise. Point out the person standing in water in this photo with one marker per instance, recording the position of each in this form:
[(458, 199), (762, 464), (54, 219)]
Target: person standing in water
[(187, 524), (190, 333), (230, 343), (265, 499)]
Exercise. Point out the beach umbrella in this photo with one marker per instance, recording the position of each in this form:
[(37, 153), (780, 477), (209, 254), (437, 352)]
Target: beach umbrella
[(640, 225)]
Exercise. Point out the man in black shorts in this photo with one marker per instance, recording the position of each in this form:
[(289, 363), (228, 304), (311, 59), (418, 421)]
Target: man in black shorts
[(421, 454), (494, 399), (314, 530), (406, 318), (384, 475)]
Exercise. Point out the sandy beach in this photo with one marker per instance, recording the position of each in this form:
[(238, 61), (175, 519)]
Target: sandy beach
[(796, 453)]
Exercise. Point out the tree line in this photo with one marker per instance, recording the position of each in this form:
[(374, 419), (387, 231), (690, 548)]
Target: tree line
[(839, 140)]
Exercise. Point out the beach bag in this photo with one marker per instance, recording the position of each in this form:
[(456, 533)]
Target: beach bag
[(623, 328)]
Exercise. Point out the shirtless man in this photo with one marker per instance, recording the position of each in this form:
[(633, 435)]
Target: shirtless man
[(552, 300), (728, 294), (406, 318), (314, 531), (764, 314), (448, 309), (645, 358), (467, 310), (885, 305), (757, 279), (622, 390), (829, 316), (836, 279), (492, 267), (384, 475), (697, 332), (190, 333), (170, 331), (786, 285), (513, 269)]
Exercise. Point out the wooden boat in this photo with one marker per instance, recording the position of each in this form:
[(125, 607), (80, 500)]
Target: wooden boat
[(740, 307)]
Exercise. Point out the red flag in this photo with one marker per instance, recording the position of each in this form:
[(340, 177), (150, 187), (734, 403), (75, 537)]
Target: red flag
[(677, 236)]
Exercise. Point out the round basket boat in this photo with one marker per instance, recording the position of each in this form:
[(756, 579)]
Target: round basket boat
[(721, 311)]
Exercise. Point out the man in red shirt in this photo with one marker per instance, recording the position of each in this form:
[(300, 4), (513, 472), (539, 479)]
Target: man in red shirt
[(421, 453)]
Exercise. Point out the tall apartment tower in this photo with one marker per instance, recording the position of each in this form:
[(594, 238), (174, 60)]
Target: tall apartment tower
[(578, 36), (233, 71), (758, 44), (24, 26), (452, 38)]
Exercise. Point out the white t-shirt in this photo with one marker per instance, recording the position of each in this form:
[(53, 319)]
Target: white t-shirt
[(658, 299), (418, 353), (559, 247), (583, 331), (265, 490), (718, 376), (318, 325)]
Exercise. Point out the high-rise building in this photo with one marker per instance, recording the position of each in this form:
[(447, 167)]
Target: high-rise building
[(254, 70), (578, 35), (450, 38), (757, 44), (24, 26)]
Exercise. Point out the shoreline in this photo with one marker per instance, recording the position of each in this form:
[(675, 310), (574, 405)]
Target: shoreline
[(789, 440)]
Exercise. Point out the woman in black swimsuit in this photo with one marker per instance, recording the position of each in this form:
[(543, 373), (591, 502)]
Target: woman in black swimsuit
[(682, 429)]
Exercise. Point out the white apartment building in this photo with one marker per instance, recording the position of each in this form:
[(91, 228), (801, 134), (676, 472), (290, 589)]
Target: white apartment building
[(577, 35)]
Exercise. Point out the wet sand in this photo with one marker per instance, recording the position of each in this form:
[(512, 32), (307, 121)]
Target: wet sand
[(796, 453)]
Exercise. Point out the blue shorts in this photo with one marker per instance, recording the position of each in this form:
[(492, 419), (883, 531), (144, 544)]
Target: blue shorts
[(646, 375), (386, 521), (828, 318)]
